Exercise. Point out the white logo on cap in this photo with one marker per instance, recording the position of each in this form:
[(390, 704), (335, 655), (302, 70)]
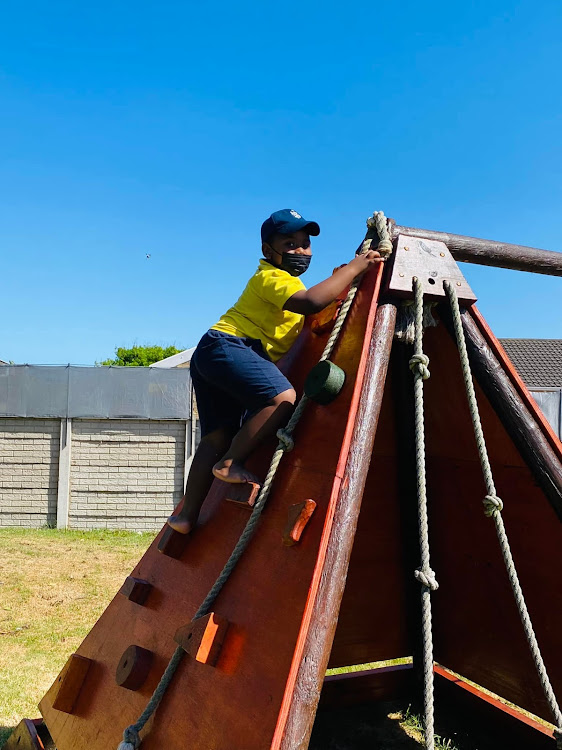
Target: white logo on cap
[(295, 214)]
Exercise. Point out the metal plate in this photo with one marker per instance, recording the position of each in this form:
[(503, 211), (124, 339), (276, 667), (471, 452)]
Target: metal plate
[(432, 263)]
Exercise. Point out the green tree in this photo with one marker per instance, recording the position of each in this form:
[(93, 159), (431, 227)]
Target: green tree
[(140, 356)]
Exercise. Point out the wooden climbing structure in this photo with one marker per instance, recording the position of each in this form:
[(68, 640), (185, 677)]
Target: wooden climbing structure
[(327, 579)]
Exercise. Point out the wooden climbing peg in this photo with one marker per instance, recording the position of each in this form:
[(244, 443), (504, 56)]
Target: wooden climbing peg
[(70, 683), (135, 589), (298, 517), (172, 543), (243, 494), (133, 667), (203, 638)]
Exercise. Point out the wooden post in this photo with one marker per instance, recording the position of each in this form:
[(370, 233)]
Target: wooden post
[(319, 639), (65, 461), (490, 252), (514, 415)]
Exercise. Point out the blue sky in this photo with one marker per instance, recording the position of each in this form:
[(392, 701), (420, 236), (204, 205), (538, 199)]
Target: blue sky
[(173, 129)]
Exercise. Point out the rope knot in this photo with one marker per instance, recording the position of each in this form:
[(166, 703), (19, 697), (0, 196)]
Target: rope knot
[(418, 365), (286, 440), (492, 505), (385, 248), (427, 578), (131, 739)]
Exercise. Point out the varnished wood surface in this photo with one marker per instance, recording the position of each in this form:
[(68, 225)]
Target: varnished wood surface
[(477, 630), (519, 421), (234, 705)]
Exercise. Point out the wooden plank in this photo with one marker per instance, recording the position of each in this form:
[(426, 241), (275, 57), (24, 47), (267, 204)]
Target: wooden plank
[(490, 252), (477, 628), (483, 714), (311, 657), (432, 264), (521, 425)]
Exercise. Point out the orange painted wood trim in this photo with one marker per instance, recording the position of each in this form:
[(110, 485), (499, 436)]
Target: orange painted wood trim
[(308, 614), (517, 381), (519, 715)]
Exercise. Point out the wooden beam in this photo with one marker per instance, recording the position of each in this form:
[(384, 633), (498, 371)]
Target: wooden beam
[(520, 424), (489, 252), (318, 643)]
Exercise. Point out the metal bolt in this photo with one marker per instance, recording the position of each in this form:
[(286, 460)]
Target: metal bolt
[(442, 255), (406, 248), (458, 283), (401, 275)]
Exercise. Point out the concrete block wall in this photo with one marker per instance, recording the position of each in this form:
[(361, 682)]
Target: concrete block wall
[(125, 474), (121, 474), (29, 456)]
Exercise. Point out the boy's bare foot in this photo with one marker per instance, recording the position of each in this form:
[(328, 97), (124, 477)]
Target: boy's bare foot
[(186, 519), (180, 524), (228, 470)]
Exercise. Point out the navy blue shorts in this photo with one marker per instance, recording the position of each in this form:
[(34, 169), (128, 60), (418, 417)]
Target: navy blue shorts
[(233, 377)]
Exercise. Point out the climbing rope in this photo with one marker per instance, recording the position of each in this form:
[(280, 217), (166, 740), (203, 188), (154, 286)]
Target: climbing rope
[(493, 507), (424, 574), (131, 736)]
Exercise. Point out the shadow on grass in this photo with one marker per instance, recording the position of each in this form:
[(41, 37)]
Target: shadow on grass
[(362, 727)]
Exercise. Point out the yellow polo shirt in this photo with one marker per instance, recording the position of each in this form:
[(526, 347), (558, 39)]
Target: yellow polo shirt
[(259, 313)]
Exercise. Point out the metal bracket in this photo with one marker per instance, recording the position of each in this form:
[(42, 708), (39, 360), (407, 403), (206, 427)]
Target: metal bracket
[(432, 263)]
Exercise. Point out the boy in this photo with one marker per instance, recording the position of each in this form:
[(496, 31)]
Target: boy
[(233, 368)]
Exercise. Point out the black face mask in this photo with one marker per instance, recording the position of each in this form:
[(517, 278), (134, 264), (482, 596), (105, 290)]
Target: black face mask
[(294, 264)]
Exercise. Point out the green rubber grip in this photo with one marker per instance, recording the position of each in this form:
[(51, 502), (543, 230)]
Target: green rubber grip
[(324, 382)]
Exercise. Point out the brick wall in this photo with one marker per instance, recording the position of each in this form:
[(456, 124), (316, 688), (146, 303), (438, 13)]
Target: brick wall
[(125, 474), (29, 454)]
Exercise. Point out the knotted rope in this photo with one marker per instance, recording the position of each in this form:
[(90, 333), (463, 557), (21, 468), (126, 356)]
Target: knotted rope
[(404, 330), (424, 574), (131, 735), (493, 507)]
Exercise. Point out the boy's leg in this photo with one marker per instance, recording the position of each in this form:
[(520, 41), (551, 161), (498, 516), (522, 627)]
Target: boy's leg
[(261, 425), (200, 479)]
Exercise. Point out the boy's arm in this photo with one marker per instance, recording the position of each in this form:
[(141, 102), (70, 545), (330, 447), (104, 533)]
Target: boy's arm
[(318, 297)]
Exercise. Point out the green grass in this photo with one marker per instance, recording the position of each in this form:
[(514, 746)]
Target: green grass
[(53, 587)]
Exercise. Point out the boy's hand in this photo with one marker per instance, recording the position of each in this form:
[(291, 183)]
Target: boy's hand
[(363, 262)]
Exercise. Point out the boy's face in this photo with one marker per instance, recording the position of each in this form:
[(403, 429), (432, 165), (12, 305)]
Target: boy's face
[(297, 243)]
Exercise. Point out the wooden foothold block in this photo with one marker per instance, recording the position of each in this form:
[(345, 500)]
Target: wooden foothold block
[(134, 667), (25, 737), (203, 638), (70, 683), (245, 493), (172, 543), (298, 516), (136, 589)]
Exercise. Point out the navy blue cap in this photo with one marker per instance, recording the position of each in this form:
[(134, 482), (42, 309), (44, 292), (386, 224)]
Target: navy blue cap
[(287, 221)]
